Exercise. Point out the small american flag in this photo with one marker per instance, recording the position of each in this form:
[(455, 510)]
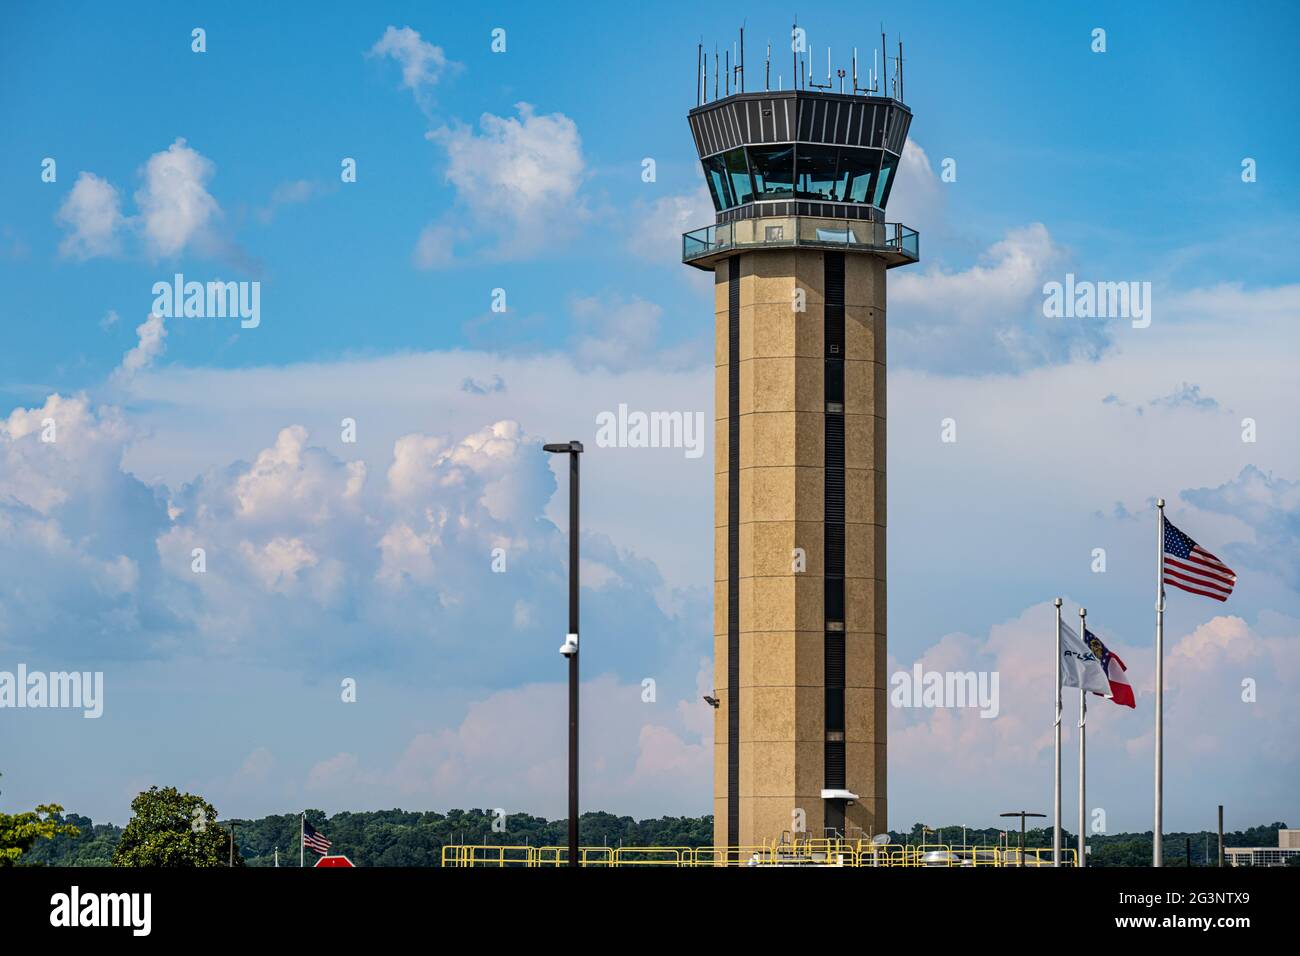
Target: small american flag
[(1192, 568), (314, 840)]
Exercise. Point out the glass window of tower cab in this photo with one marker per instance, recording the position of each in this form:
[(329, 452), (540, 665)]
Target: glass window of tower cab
[(840, 174), (801, 152)]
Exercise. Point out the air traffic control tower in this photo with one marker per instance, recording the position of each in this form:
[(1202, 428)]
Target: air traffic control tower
[(800, 179)]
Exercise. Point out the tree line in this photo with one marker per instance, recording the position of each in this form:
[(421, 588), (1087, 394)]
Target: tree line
[(171, 828)]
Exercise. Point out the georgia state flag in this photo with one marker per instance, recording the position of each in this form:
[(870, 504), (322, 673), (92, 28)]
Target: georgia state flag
[(1121, 692)]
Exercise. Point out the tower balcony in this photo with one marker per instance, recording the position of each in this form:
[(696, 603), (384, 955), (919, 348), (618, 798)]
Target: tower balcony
[(894, 242)]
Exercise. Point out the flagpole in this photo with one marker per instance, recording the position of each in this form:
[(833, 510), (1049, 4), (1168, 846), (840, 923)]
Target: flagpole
[(1083, 736), (1056, 789), (302, 837), (1157, 849)]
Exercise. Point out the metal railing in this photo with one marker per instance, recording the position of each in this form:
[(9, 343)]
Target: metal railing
[(892, 238), (796, 852)]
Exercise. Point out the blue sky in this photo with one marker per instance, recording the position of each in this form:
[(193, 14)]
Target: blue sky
[(522, 171)]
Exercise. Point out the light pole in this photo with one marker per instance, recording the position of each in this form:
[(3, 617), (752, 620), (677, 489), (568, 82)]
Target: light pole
[(1022, 814), (570, 647)]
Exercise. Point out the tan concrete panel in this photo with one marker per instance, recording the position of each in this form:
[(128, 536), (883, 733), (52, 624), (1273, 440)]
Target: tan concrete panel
[(810, 772), (774, 768), (720, 386), (767, 277), (719, 553), (768, 546), (864, 334), (720, 607), (782, 494), (720, 760), (782, 384), (782, 438), (864, 551), (776, 331), (811, 536), (868, 815), (769, 818), (721, 290), (864, 714), (746, 602), (861, 383), (865, 764), (864, 441), (721, 337), (782, 659), (721, 448), (865, 660), (864, 280), (864, 609), (864, 496)]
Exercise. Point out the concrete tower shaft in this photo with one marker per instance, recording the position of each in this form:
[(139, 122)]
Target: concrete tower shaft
[(799, 252)]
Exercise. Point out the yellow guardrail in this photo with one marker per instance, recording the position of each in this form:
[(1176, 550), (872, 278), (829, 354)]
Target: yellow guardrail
[(796, 852)]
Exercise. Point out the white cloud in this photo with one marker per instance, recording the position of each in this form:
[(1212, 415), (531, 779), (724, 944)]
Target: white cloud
[(423, 64), (510, 751), (151, 335), (617, 333), (1206, 721), (658, 235), (93, 213), (987, 317), (916, 199), (175, 206), (518, 177), (434, 249)]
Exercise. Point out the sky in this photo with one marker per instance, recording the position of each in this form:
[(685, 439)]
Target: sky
[(501, 271)]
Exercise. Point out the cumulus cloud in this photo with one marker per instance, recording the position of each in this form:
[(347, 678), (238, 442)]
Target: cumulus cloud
[(510, 749), (1270, 507), (988, 317), (517, 176), (292, 193), (658, 237), (423, 64), (916, 199), (92, 213), (1206, 718), (151, 337), (175, 205), (617, 333)]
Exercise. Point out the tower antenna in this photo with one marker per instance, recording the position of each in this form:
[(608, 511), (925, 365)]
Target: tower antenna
[(742, 58), (699, 54)]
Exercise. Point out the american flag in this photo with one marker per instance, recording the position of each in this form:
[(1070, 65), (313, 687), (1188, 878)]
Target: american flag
[(1192, 568), (314, 840)]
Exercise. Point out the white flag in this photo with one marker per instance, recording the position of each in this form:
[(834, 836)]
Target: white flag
[(1079, 665)]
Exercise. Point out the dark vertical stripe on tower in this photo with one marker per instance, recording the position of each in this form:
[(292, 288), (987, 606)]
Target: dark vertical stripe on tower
[(733, 551), (835, 772)]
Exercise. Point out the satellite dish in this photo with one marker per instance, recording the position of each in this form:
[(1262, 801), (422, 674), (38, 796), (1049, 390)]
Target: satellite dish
[(880, 839)]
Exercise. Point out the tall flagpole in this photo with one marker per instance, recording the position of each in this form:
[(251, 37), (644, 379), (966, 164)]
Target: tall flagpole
[(302, 836), (1083, 738), (1056, 791), (1157, 848)]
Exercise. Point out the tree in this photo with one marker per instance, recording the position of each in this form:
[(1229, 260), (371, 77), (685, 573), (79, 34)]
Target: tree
[(170, 828), (18, 831)]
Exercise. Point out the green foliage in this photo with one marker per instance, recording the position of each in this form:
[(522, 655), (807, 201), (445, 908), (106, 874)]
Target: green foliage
[(91, 844), (416, 838), (170, 828), (18, 831)]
